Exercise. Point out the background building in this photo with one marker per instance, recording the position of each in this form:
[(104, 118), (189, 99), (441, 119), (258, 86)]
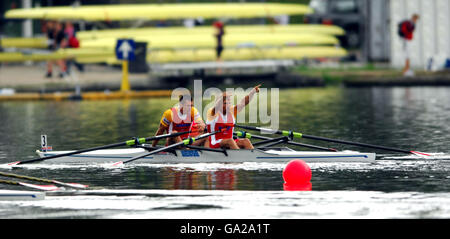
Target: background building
[(431, 45)]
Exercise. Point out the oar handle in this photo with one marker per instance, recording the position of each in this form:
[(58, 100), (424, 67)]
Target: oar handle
[(145, 140)]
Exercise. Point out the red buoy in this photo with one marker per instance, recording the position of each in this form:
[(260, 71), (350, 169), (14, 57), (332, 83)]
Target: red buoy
[(297, 172), (297, 187)]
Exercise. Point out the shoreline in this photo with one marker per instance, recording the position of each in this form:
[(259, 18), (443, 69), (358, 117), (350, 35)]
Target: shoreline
[(28, 82)]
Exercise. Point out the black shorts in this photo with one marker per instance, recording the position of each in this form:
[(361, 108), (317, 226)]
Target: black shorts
[(219, 50)]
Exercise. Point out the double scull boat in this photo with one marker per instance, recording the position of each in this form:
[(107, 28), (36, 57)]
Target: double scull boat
[(206, 155)]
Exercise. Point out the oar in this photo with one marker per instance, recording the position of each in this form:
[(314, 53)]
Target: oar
[(126, 143), (244, 134), (292, 134), (187, 141), (29, 185), (72, 185)]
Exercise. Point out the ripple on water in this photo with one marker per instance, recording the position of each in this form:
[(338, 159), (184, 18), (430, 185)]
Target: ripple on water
[(235, 204)]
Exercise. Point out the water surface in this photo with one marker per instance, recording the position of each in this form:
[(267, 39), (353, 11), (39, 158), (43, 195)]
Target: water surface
[(395, 186)]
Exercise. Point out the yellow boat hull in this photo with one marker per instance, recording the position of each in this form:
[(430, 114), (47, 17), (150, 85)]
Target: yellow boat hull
[(188, 55), (22, 42), (229, 40), (160, 11), (209, 31)]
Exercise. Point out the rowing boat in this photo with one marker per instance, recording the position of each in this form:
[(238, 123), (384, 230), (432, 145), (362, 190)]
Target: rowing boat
[(206, 156), (264, 151)]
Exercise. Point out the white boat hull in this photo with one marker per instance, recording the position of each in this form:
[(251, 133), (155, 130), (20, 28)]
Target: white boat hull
[(203, 156), (13, 195)]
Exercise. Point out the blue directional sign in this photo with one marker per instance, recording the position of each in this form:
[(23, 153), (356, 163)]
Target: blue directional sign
[(125, 49)]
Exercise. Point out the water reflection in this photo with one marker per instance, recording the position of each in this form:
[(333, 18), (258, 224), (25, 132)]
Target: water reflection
[(176, 178), (307, 186), (222, 179)]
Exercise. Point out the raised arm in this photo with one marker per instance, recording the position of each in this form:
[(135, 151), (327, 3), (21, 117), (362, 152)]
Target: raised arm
[(244, 102), (219, 103)]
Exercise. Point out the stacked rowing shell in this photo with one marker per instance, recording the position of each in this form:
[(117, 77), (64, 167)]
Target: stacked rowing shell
[(241, 42), (121, 12), (185, 55), (181, 44), (192, 45)]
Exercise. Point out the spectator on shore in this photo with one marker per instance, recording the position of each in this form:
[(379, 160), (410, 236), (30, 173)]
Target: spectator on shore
[(50, 29), (56, 40), (72, 42), (60, 42), (219, 26), (406, 32)]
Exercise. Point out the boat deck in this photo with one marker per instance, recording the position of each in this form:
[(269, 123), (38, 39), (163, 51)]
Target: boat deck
[(205, 156)]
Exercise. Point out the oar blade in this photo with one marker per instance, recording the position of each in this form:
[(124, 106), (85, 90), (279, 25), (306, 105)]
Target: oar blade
[(13, 163), (72, 185), (118, 164), (421, 154), (40, 187)]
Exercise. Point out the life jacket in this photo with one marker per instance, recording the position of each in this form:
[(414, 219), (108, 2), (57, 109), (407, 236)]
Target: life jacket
[(180, 123), (195, 130), (220, 122)]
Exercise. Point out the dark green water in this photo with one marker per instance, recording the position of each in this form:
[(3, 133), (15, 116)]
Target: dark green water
[(414, 118), (411, 118)]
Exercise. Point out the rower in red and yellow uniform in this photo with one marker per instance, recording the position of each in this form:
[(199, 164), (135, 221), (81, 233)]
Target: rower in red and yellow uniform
[(223, 117), (184, 117)]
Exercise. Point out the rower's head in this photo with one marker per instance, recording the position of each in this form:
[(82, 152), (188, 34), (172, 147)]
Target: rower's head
[(224, 102), (186, 102)]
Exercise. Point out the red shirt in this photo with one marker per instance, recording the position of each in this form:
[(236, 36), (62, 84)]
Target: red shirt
[(221, 122), (408, 29)]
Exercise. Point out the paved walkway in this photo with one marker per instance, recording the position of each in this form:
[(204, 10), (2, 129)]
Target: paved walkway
[(32, 78)]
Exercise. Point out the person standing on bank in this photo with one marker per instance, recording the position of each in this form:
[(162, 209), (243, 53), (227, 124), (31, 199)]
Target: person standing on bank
[(50, 29), (219, 32), (60, 42), (219, 36), (406, 32)]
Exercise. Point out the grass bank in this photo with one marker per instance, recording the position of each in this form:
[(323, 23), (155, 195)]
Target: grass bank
[(337, 75)]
